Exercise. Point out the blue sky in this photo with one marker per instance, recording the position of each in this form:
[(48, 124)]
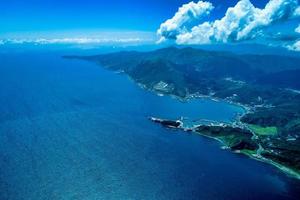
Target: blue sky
[(19, 16), (61, 20)]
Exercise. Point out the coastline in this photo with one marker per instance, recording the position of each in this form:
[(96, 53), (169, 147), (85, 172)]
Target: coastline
[(235, 122), (247, 109), (288, 171)]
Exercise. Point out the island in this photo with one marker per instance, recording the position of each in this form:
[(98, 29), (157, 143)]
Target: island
[(267, 86)]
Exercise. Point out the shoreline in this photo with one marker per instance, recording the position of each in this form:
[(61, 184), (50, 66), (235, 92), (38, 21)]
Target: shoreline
[(286, 170), (247, 109)]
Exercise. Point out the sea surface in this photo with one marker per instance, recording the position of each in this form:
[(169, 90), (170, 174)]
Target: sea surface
[(70, 129)]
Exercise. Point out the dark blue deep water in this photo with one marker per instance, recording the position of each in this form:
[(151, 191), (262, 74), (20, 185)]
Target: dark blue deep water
[(70, 129)]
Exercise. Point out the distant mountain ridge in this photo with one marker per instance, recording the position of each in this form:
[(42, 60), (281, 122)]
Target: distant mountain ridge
[(190, 63)]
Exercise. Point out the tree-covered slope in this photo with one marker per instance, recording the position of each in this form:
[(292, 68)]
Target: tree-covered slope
[(267, 84), (264, 69)]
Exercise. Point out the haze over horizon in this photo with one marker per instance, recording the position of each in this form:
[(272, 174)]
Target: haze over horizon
[(182, 22)]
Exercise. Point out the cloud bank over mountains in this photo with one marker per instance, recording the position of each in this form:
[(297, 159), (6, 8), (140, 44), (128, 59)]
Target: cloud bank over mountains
[(243, 22)]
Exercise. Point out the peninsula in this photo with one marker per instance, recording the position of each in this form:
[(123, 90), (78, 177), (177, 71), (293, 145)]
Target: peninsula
[(267, 86)]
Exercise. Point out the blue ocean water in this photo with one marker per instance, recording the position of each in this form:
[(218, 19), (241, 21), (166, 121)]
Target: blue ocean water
[(70, 129)]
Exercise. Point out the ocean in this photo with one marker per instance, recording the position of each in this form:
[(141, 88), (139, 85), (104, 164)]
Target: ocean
[(70, 129)]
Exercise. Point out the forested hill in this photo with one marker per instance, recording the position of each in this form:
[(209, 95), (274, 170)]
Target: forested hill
[(195, 64)]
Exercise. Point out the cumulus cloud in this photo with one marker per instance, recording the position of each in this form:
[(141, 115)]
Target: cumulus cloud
[(186, 15), (242, 22)]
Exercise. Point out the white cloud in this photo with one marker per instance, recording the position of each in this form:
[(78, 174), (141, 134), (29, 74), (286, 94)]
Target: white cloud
[(297, 11), (198, 35), (183, 18), (236, 22), (242, 22), (85, 41), (295, 46), (74, 41), (297, 30), (275, 11)]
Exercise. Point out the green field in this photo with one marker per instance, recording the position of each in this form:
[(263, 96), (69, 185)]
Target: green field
[(248, 152), (263, 131)]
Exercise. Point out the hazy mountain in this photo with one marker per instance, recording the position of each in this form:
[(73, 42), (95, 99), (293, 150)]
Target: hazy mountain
[(193, 65)]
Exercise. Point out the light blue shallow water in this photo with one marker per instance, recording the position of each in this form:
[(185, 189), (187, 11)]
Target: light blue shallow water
[(72, 130)]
